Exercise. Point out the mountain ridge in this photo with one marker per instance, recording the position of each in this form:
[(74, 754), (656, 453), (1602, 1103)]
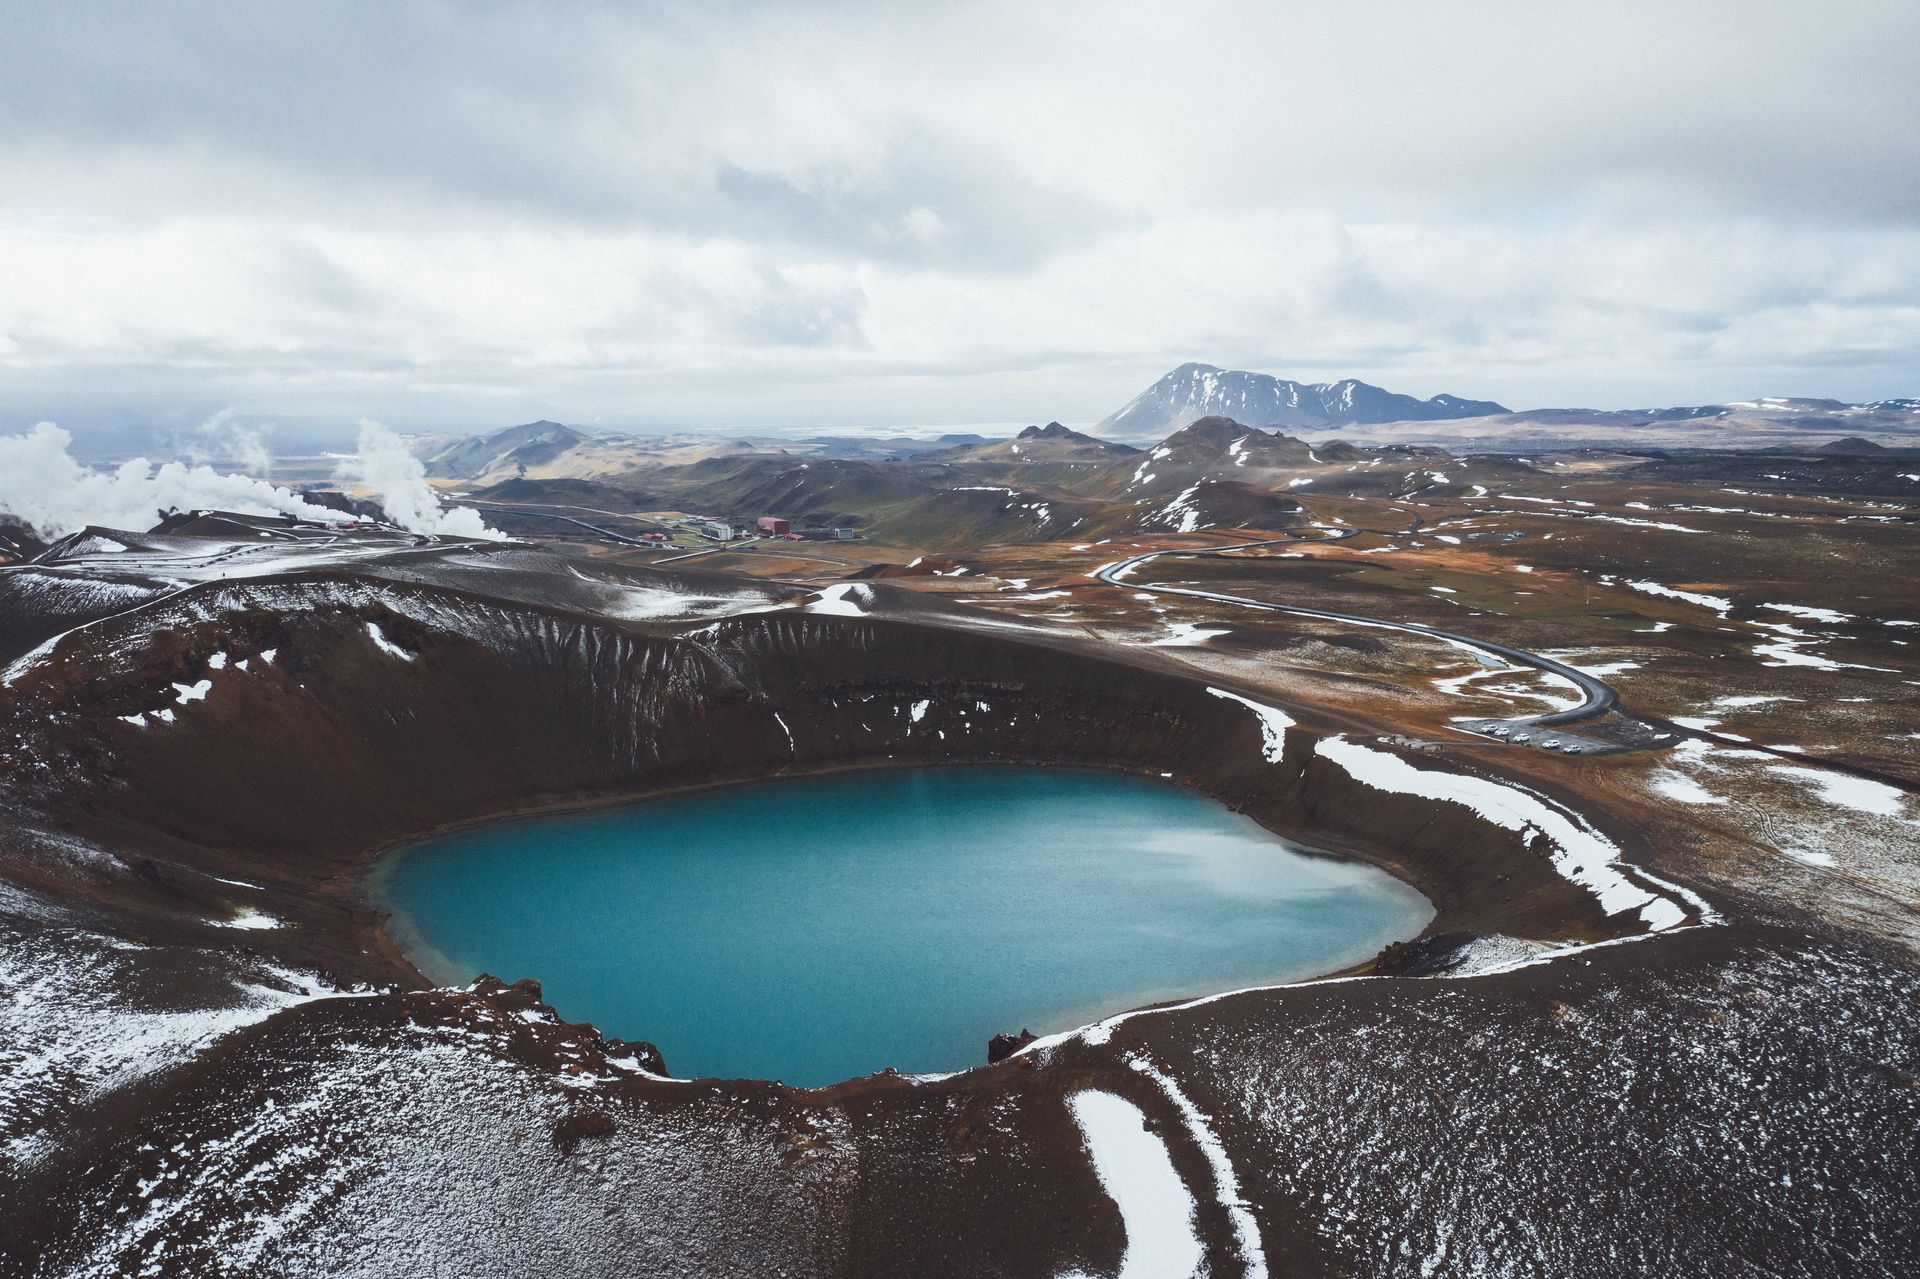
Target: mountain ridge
[(1195, 390), (530, 444)]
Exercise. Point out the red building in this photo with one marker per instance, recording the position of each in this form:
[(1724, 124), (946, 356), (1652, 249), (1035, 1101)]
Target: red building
[(771, 526)]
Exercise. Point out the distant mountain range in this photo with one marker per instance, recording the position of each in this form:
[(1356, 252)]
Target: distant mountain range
[(1195, 391), (1053, 483), (1205, 423)]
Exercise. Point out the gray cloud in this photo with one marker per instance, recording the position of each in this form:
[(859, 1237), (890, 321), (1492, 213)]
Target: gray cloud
[(594, 111), (443, 214)]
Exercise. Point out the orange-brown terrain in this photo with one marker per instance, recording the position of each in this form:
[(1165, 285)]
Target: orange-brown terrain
[(1663, 1019)]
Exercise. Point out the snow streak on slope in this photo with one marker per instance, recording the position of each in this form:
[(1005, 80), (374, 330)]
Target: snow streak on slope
[(1273, 724), (1579, 852), (85, 1015), (1226, 1185), (1132, 1163)]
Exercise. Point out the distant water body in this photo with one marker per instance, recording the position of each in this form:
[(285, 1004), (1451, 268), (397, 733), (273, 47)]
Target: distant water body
[(812, 930)]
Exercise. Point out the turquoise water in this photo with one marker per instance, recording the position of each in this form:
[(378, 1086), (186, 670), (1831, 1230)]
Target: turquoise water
[(817, 929)]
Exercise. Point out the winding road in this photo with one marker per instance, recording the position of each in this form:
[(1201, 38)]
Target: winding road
[(1597, 696), (622, 538)]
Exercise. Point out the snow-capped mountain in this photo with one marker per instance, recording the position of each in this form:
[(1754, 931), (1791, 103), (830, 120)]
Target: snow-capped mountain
[(1201, 390)]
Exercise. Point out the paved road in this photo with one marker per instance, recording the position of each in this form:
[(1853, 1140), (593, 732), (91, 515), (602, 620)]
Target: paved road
[(1597, 696), (622, 538), (694, 555), (535, 508), (514, 508)]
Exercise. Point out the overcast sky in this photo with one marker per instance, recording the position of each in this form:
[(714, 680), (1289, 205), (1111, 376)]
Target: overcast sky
[(465, 215)]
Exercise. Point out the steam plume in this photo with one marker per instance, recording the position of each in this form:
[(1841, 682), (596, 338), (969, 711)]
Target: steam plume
[(224, 438), (398, 478), (42, 484)]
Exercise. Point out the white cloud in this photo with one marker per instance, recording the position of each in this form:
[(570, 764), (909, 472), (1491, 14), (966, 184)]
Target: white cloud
[(758, 213)]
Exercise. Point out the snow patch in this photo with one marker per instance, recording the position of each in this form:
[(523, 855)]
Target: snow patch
[(1808, 857), (1133, 1166), (1578, 852), (1683, 788), (844, 599), (1226, 1185), (1858, 793), (1274, 723), (385, 645), (1186, 635), (1717, 603), (651, 603), (1810, 614), (250, 919)]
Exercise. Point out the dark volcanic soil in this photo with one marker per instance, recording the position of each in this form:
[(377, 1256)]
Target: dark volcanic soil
[(210, 1063)]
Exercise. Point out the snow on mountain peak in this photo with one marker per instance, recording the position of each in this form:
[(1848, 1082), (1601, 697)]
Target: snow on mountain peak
[(1196, 390)]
